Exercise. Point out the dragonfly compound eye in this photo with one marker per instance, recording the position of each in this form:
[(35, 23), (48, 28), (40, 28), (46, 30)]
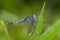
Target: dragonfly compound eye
[(34, 17)]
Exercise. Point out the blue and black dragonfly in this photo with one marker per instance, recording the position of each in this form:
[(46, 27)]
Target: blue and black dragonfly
[(27, 18)]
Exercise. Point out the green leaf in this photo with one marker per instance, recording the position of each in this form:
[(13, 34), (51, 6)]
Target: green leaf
[(4, 31), (51, 32), (40, 19)]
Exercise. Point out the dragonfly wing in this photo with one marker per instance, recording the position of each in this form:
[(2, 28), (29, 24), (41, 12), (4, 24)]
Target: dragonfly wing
[(24, 20), (28, 18)]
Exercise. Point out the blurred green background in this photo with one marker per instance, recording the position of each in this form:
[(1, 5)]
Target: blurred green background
[(13, 10)]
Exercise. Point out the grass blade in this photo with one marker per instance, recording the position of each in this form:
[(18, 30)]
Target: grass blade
[(40, 19), (3, 27), (50, 33)]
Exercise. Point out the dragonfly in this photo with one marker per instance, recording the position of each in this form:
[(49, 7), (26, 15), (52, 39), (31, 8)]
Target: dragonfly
[(31, 18), (27, 18)]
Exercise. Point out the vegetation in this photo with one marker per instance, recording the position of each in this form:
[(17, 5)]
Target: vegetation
[(12, 10)]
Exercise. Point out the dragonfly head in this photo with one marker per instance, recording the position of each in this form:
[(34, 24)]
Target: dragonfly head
[(34, 17)]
